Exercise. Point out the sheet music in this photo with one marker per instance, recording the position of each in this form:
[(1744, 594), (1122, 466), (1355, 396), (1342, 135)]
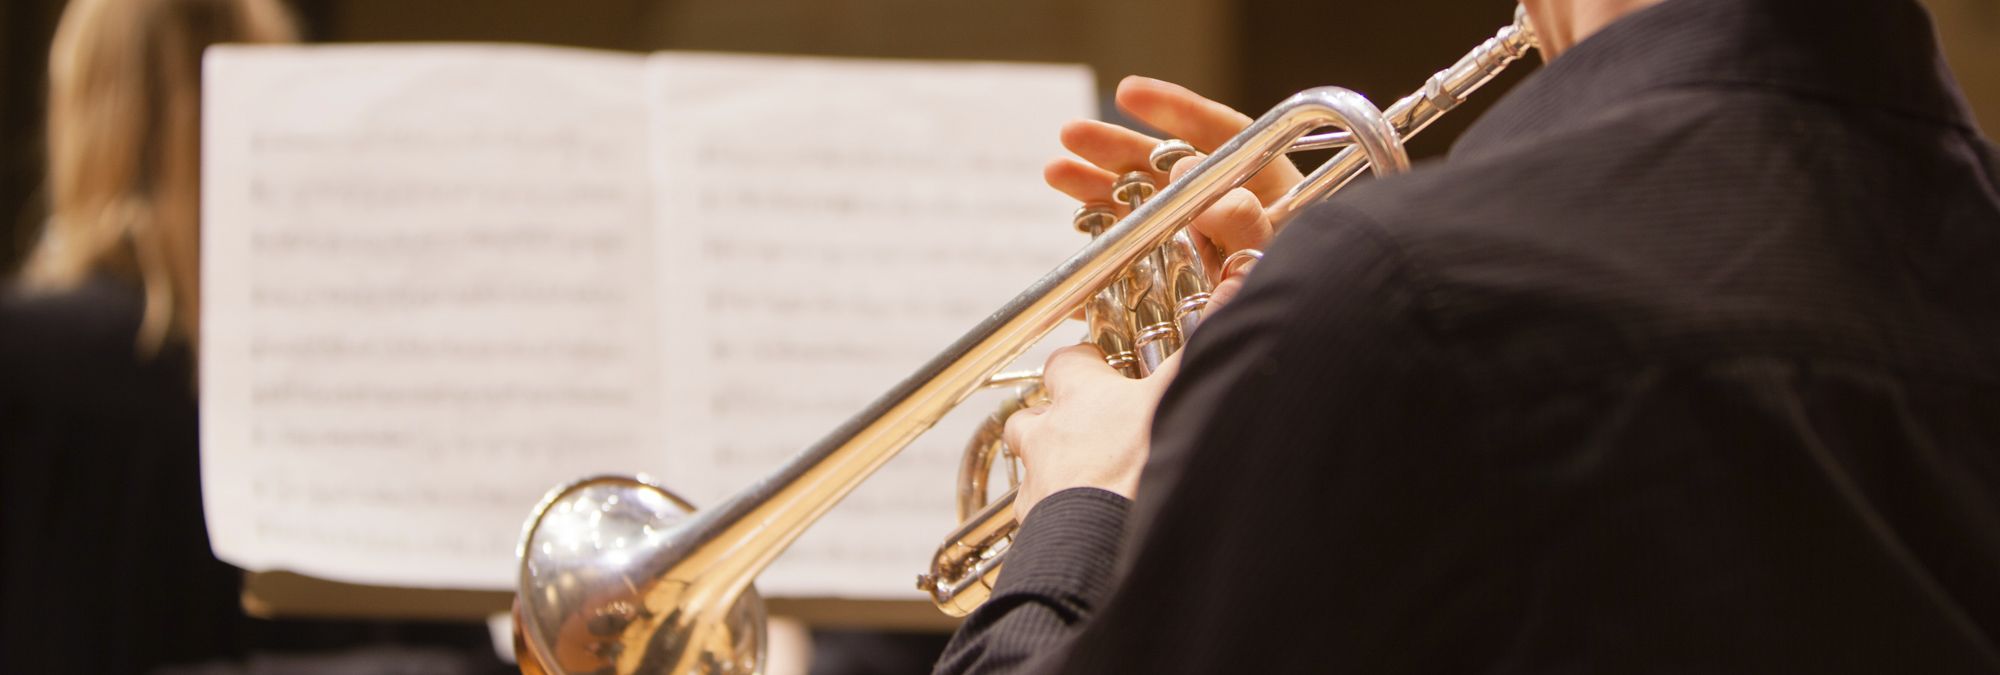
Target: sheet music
[(440, 280), (428, 299), (834, 223)]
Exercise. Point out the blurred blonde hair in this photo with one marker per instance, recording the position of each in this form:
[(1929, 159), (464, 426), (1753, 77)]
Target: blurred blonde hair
[(124, 124)]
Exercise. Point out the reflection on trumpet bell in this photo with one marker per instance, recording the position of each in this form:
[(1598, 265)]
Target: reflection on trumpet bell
[(596, 607)]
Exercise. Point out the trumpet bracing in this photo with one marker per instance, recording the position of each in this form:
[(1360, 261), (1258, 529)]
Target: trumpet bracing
[(620, 576)]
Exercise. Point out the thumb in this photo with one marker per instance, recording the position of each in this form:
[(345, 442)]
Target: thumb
[(1224, 292)]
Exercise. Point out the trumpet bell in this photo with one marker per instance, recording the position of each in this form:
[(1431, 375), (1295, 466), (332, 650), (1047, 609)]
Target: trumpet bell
[(597, 606)]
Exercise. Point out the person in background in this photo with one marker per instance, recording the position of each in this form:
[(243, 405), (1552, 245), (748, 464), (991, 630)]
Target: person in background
[(105, 565), (104, 561)]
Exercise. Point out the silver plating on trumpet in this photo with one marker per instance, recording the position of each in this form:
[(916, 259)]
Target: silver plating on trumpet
[(617, 577)]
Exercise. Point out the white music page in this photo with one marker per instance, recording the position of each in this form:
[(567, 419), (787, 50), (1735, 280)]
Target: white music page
[(835, 223), (442, 279), (428, 299)]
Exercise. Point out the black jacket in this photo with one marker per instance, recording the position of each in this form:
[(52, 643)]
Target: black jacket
[(104, 558), (1686, 360)]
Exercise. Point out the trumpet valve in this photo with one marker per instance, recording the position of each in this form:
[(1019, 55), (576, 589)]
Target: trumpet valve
[(1187, 281), (1110, 325), (1168, 153), (1156, 343), (1134, 188), (1157, 336), (1094, 218), (1119, 351), (1125, 362)]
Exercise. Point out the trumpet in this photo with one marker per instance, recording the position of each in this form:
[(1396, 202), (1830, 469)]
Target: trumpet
[(1126, 321), (619, 576)]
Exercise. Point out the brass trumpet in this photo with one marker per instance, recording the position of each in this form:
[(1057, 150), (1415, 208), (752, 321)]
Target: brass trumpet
[(618, 577)]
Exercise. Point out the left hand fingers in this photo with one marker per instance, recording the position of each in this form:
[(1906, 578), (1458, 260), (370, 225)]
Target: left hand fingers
[(1094, 434), (1072, 367), (1021, 426)]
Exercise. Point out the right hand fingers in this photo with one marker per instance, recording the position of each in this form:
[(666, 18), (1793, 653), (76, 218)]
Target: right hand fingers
[(1206, 124), (1082, 181), (1111, 147), (1224, 292), (1236, 221)]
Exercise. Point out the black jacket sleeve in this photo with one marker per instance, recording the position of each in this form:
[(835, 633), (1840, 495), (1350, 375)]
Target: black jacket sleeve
[(1057, 575)]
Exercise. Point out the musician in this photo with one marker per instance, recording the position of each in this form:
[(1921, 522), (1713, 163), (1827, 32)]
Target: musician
[(1686, 360), (104, 563)]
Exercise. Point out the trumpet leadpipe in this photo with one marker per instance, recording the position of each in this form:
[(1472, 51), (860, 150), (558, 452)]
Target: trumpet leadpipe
[(1405, 118)]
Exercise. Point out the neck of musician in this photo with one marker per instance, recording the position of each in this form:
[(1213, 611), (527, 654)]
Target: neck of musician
[(1562, 23)]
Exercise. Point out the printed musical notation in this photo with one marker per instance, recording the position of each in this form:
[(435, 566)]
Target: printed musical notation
[(833, 251), (429, 283), (443, 279)]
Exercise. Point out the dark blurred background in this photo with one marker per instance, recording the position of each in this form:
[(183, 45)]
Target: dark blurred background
[(1249, 53)]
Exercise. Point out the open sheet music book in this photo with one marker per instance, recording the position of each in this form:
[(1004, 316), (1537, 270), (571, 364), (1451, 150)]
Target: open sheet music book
[(440, 280)]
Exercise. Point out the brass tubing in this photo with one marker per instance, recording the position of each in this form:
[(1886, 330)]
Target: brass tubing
[(678, 585)]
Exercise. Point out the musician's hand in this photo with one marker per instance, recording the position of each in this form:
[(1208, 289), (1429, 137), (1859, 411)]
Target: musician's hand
[(1094, 434), (1097, 430), (1237, 221), (1107, 151)]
